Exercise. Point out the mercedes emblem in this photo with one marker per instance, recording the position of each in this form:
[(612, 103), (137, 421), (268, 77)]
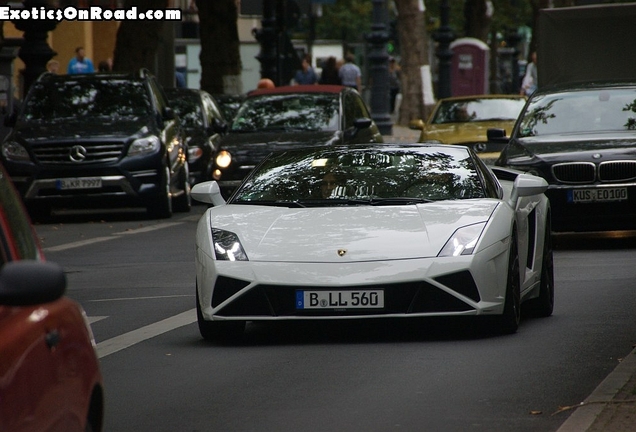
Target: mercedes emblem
[(77, 153)]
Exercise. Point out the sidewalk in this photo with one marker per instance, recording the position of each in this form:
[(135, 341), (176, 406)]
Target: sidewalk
[(612, 405), (402, 134)]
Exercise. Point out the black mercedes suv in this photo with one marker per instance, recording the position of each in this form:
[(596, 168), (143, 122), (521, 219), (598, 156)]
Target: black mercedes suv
[(97, 140)]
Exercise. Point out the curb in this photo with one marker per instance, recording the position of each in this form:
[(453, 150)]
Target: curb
[(583, 418)]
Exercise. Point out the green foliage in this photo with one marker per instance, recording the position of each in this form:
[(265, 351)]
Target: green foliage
[(509, 14), (346, 20)]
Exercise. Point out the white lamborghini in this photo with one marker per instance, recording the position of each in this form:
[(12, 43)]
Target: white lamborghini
[(374, 231)]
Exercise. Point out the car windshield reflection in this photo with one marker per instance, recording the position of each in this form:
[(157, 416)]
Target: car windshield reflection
[(304, 112), (189, 110), (587, 111), (362, 177), (64, 99), (476, 110)]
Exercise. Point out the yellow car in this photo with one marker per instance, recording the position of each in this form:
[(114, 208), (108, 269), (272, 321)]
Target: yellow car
[(465, 120)]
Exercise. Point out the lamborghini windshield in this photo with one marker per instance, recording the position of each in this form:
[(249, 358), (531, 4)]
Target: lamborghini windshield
[(380, 175)]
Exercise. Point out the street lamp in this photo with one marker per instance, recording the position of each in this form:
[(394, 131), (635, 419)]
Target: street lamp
[(444, 36), (379, 68), (267, 37), (35, 52)]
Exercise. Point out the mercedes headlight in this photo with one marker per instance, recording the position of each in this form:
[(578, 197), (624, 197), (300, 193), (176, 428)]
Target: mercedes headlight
[(223, 159), (227, 246), (194, 154), (14, 151), (463, 241), (145, 145)]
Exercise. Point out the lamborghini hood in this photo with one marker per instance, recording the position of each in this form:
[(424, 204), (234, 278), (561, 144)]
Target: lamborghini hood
[(347, 234)]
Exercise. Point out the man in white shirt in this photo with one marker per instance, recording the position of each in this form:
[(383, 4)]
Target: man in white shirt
[(350, 74)]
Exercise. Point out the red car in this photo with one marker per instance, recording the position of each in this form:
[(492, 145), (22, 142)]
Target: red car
[(50, 378)]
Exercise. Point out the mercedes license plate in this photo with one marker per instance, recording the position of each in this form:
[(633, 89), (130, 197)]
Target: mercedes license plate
[(78, 183), (345, 299), (597, 195)]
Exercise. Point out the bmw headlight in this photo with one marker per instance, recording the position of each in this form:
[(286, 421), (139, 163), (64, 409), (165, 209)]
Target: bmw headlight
[(12, 150), (223, 159), (145, 145), (227, 246), (463, 241)]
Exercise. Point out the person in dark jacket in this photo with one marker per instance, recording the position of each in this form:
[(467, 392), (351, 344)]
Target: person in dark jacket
[(329, 73)]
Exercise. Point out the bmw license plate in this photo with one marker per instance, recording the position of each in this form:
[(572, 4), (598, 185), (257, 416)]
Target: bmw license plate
[(345, 299), (78, 183), (597, 195)]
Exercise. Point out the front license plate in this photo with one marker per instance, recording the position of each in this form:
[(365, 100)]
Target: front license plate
[(78, 183), (349, 299), (597, 195)]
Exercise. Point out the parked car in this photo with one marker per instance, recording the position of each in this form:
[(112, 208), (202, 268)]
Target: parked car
[(373, 231), (203, 125), (104, 139), (580, 138), (290, 117), (50, 376), (229, 104), (465, 120)]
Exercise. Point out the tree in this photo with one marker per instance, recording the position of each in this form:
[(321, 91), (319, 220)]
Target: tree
[(478, 15), (220, 55), (346, 20), (137, 42), (414, 52)]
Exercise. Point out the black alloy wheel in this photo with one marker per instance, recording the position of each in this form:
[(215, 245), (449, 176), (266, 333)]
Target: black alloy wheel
[(509, 320)]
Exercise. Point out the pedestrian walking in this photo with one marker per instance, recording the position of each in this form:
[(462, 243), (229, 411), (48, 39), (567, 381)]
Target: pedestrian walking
[(53, 66), (329, 73), (530, 79), (350, 73), (394, 81), (80, 64), (306, 75)]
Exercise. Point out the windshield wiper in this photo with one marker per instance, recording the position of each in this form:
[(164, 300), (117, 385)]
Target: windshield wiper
[(399, 201), (372, 201), (274, 203)]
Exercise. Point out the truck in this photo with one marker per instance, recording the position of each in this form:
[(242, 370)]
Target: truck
[(586, 43)]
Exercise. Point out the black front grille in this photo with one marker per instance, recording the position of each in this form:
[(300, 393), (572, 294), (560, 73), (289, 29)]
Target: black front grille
[(616, 171), (78, 152), (575, 172)]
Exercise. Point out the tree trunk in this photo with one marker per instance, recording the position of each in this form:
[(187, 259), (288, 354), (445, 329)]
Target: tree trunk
[(477, 19), (414, 51), (220, 55), (137, 41)]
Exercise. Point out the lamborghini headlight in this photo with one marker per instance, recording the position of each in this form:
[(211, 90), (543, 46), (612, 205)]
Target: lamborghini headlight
[(463, 241), (227, 246)]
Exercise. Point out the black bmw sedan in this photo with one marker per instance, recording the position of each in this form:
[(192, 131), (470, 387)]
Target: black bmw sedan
[(582, 139)]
